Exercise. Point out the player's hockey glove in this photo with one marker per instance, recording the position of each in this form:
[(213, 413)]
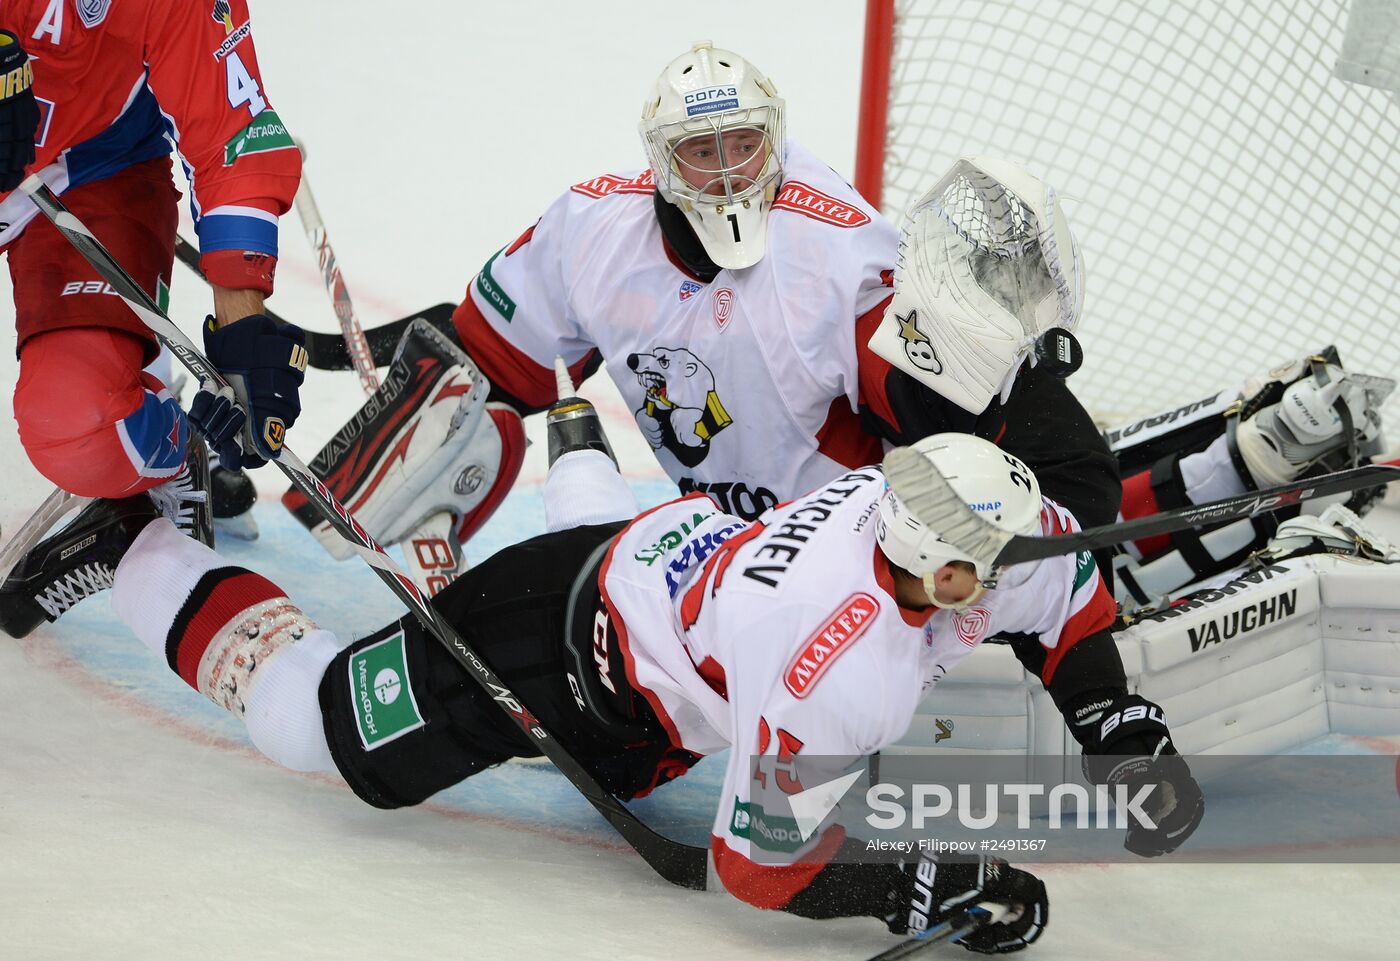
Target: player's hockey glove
[(1130, 745), (19, 113), (216, 415), (265, 363), (932, 889)]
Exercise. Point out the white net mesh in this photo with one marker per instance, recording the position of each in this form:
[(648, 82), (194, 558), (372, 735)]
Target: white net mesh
[(1236, 204), (987, 215), (1014, 257)]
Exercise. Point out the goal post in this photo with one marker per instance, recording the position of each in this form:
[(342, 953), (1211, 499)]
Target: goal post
[(1237, 203), (874, 99)]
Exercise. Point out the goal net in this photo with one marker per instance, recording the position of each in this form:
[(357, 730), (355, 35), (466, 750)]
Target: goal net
[(1236, 202)]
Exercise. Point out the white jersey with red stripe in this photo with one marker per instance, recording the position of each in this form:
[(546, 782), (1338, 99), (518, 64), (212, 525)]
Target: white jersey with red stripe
[(782, 637), (746, 386)]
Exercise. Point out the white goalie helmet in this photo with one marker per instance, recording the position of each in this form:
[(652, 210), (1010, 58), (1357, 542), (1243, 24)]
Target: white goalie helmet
[(713, 131), (987, 264), (996, 485)]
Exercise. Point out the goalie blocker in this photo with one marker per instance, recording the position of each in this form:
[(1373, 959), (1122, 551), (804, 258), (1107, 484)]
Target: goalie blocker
[(425, 443)]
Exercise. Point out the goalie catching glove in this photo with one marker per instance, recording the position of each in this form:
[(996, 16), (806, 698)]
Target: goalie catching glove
[(987, 270), (425, 443)]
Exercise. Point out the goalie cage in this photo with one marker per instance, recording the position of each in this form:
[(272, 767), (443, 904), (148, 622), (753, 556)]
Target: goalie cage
[(1237, 203)]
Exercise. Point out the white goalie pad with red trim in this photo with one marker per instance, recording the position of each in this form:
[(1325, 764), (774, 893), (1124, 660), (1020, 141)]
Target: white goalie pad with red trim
[(426, 443)]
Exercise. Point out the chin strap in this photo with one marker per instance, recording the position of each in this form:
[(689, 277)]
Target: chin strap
[(961, 605)]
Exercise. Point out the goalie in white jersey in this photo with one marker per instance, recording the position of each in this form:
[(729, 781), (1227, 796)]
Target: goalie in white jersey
[(767, 328), (644, 645)]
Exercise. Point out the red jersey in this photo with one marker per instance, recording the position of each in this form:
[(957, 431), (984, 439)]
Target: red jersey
[(118, 81)]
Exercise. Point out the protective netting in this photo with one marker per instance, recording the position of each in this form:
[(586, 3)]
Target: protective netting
[(1236, 204), (987, 215), (1005, 260)]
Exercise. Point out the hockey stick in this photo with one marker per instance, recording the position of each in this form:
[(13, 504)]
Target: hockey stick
[(431, 553), (328, 351), (679, 863), (432, 549), (933, 502), (953, 929), (350, 330)]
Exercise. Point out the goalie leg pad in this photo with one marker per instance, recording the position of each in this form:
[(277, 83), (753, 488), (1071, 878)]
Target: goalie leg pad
[(1158, 566), (509, 434), (1291, 421), (426, 443)]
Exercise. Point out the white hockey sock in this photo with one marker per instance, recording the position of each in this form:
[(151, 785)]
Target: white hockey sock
[(233, 636), (584, 487), (283, 710), (155, 578)]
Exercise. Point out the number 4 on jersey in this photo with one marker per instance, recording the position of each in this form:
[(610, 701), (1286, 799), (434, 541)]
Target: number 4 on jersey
[(242, 86)]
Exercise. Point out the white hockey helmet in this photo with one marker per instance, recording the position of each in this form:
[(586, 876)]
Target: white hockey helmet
[(987, 264), (992, 482), (713, 131)]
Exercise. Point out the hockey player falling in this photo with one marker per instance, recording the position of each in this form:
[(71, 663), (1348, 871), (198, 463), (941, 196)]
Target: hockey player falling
[(643, 645), (90, 420), (733, 290), (740, 296)]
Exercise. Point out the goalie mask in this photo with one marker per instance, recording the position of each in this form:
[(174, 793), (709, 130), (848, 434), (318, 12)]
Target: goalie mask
[(988, 480), (713, 131), (987, 266)]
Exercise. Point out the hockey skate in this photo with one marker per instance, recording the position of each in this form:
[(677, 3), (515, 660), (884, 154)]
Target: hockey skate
[(232, 496), (1338, 530), (81, 559)]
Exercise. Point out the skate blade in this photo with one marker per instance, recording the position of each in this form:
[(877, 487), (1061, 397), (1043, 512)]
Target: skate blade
[(1377, 388), (40, 523), (241, 526)]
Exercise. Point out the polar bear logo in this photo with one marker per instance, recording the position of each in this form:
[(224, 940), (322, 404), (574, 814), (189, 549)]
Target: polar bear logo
[(681, 411)]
